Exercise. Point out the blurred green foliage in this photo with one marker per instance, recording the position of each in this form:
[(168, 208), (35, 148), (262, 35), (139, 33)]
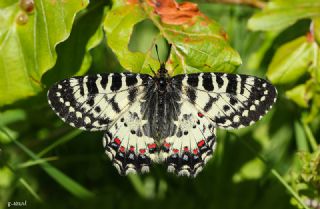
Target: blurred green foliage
[(272, 164)]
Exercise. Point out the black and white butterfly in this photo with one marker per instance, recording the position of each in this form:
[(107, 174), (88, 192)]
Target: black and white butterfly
[(161, 118)]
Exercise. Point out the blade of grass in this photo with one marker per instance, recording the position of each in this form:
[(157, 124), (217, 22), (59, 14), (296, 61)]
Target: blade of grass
[(69, 184), (301, 139), (24, 183), (35, 162), (312, 140), (62, 140), (29, 188), (276, 174)]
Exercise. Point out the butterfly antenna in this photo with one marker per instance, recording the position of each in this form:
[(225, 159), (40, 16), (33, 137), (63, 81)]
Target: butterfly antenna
[(154, 73), (158, 54), (169, 51)]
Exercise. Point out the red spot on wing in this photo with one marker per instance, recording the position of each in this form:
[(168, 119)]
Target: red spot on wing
[(175, 150), (152, 146), (131, 148), (201, 143), (117, 141), (195, 151), (122, 149), (166, 144), (142, 151), (200, 114)]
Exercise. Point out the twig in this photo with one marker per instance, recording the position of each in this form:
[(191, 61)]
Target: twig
[(252, 3)]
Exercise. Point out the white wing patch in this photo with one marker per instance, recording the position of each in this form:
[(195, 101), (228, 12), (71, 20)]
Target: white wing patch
[(126, 145), (189, 149)]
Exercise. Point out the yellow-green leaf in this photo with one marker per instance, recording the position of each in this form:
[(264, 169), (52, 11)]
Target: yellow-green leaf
[(291, 61), (300, 95), (279, 14)]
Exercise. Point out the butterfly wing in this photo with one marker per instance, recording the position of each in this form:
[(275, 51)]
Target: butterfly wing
[(130, 150), (229, 100), (192, 145), (108, 102), (94, 102), (210, 100)]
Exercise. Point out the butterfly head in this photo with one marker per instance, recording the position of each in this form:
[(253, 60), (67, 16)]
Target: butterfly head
[(162, 72)]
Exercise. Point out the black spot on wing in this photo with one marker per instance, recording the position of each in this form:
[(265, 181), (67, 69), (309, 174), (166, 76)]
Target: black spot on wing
[(91, 84), (131, 79), (132, 94), (90, 101), (242, 83), (207, 82), (97, 109), (193, 80), (191, 93), (104, 80), (114, 105), (233, 100), (220, 120), (219, 80), (209, 104), (226, 107), (232, 84), (80, 81), (116, 82)]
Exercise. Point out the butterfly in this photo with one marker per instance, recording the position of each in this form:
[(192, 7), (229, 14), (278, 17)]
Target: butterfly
[(160, 118)]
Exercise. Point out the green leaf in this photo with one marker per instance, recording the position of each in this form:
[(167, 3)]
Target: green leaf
[(201, 46), (119, 25), (280, 14), (27, 43), (300, 94), (86, 34), (290, 61), (253, 169)]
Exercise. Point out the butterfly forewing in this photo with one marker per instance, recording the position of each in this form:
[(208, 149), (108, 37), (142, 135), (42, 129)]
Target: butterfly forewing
[(94, 102), (229, 100)]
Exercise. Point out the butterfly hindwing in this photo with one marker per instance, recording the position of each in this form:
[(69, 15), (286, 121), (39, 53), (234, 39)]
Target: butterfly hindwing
[(192, 145), (130, 150), (229, 100), (94, 102)]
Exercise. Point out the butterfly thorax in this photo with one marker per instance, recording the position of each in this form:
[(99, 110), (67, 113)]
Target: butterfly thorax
[(163, 103)]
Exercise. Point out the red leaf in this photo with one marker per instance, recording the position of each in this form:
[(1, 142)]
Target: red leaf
[(174, 13)]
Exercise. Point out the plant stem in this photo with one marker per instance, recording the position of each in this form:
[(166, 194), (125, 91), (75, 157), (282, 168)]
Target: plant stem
[(62, 140), (312, 140), (277, 175), (289, 188), (252, 3)]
